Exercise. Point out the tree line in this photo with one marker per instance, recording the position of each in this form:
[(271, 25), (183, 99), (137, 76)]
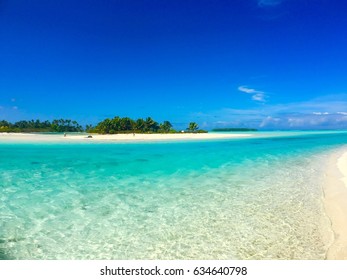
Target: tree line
[(107, 126), (61, 125), (128, 125)]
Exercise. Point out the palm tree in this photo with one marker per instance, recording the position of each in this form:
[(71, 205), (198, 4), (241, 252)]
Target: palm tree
[(126, 124), (116, 124), (104, 127), (140, 125), (166, 126), (89, 128), (192, 127), (151, 125), (4, 123)]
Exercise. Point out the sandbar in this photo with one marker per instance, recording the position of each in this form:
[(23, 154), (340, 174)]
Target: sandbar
[(75, 137), (335, 202)]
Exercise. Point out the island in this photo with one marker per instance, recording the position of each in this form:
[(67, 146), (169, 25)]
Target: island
[(117, 125)]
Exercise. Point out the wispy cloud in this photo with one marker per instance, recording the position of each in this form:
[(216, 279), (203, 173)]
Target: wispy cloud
[(248, 90), (257, 95), (269, 3), (327, 112), (303, 121), (320, 113)]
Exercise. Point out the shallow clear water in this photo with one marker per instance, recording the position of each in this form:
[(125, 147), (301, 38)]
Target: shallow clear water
[(255, 198)]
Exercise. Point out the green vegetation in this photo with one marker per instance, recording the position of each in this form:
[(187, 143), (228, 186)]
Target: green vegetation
[(127, 125), (38, 126), (193, 127), (107, 126), (233, 129)]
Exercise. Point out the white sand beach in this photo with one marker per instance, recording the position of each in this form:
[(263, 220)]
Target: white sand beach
[(32, 137), (336, 205)]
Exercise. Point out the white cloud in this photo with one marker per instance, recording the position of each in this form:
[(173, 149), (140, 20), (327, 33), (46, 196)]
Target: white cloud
[(304, 121), (259, 97), (320, 113), (248, 90), (326, 112), (269, 121), (257, 94)]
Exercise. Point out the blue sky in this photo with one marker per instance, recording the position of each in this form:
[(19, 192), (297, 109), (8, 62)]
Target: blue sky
[(252, 63)]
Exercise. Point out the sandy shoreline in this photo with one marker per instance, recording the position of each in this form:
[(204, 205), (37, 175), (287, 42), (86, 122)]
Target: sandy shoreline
[(59, 138), (335, 202)]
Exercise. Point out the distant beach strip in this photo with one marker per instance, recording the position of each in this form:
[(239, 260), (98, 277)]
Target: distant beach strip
[(75, 137)]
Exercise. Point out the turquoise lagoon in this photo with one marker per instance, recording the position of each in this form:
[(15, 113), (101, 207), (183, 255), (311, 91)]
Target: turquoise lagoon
[(254, 198)]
